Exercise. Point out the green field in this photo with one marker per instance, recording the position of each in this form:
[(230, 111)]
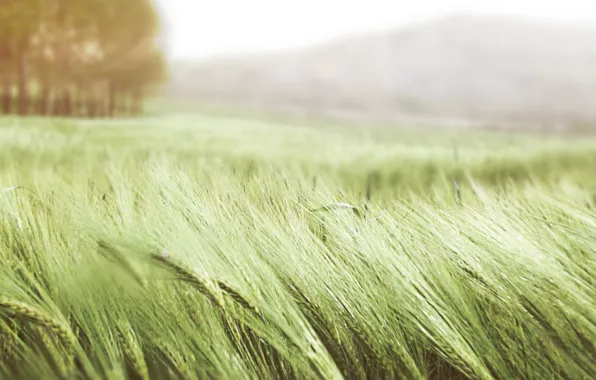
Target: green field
[(213, 248)]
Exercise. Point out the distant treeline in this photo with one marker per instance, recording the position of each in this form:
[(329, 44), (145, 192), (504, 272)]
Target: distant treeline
[(82, 58)]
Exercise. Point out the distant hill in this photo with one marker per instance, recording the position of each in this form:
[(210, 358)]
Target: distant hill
[(461, 67)]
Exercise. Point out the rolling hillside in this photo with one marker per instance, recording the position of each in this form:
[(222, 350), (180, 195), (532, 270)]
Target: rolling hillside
[(492, 69)]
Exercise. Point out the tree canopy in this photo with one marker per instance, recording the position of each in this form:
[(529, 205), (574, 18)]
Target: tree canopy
[(91, 58)]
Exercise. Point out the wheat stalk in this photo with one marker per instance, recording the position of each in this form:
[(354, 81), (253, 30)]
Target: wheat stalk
[(237, 297), (133, 352), (173, 359), (340, 206), (189, 276), (116, 256), (64, 364), (8, 339), (24, 311)]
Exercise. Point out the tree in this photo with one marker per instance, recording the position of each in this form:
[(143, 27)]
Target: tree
[(20, 20), (132, 63), (5, 76), (82, 56)]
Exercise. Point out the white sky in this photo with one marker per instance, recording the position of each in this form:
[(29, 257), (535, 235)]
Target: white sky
[(202, 28)]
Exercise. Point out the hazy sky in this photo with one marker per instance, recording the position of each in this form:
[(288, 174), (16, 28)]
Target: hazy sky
[(202, 28)]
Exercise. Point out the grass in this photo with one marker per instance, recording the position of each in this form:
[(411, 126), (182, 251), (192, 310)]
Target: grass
[(189, 247)]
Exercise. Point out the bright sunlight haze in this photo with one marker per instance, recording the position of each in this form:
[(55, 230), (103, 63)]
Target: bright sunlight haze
[(199, 29)]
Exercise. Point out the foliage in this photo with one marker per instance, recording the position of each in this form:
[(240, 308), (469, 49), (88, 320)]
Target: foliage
[(75, 52)]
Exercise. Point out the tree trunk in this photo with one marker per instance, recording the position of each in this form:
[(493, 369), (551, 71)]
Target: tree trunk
[(23, 87), (91, 107), (44, 100), (66, 106), (101, 105), (6, 95), (56, 108), (135, 104), (6, 85), (112, 92), (126, 104), (78, 103), (122, 104)]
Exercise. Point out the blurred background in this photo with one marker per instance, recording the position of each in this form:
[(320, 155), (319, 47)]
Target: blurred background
[(495, 64), (509, 64)]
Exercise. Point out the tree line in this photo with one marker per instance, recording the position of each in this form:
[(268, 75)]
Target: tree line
[(82, 58)]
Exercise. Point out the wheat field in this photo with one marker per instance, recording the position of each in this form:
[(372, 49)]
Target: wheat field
[(188, 247)]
